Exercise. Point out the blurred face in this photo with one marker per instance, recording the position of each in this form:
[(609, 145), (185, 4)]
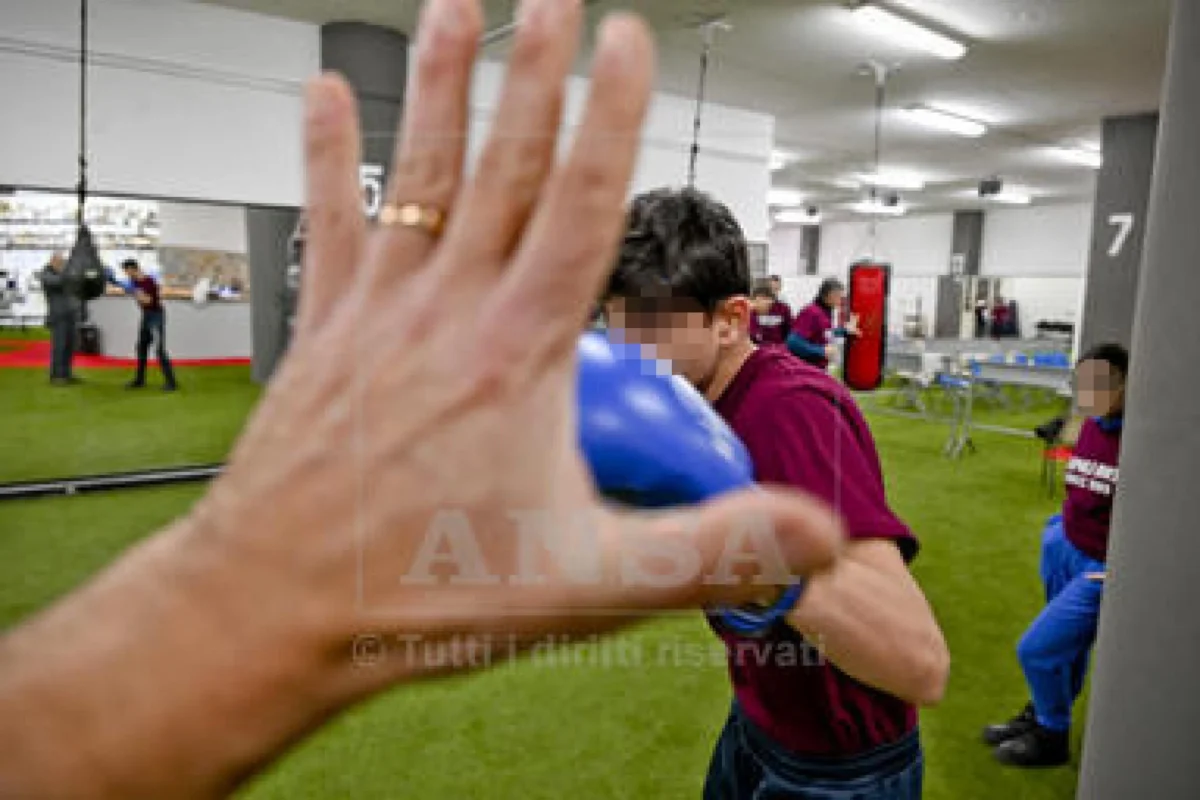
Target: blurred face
[(776, 286), (693, 341), (1099, 388), (835, 298), (762, 304)]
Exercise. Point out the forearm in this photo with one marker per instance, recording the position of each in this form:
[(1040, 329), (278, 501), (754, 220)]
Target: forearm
[(803, 348), (163, 677), (877, 629)]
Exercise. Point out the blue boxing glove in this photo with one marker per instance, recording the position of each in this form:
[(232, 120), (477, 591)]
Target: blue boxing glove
[(652, 441)]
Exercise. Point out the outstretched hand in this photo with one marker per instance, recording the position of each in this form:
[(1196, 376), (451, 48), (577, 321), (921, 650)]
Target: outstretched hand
[(413, 469)]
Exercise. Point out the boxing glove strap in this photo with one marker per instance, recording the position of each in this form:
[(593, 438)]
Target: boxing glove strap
[(752, 621)]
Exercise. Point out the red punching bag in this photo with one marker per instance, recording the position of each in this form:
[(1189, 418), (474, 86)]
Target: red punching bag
[(868, 301)]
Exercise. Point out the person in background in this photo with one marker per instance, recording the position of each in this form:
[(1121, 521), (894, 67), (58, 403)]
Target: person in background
[(777, 289), (62, 317), (843, 724), (153, 326), (981, 319), (1054, 650), (1000, 319), (812, 333), (772, 318)]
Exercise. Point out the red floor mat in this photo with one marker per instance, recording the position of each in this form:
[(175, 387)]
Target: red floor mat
[(18, 353)]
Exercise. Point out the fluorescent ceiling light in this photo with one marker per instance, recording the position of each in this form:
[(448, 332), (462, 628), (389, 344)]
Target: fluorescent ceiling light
[(908, 33), (1080, 155), (893, 180), (1012, 197), (945, 121), (785, 197), (878, 209), (797, 217), (1009, 195), (781, 159)]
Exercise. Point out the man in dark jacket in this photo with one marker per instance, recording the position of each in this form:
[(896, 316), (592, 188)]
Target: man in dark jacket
[(62, 316)]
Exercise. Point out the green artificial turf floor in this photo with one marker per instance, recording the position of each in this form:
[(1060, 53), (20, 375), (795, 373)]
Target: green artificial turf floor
[(557, 727)]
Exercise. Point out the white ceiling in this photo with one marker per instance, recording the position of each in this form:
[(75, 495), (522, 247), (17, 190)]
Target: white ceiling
[(1039, 72)]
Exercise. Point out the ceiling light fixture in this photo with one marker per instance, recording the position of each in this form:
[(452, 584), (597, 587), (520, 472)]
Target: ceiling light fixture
[(781, 159), (903, 31), (1012, 197), (878, 209), (1083, 156), (892, 180), (785, 197), (945, 121), (808, 216)]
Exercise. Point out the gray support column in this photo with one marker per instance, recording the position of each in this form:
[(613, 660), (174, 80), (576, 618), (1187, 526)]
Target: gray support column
[(374, 62), (1118, 229), (1145, 706), (967, 246), (810, 248), (267, 233)]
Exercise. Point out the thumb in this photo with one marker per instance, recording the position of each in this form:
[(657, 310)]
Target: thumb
[(738, 549)]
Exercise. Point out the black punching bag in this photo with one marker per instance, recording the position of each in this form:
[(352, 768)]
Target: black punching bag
[(84, 272)]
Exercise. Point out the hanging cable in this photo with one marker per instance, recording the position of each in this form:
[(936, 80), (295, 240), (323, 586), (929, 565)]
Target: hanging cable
[(81, 188), (880, 73), (709, 31)]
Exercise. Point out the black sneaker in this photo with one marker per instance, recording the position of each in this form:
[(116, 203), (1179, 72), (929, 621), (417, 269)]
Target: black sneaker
[(1018, 725), (1037, 747), (135, 385), (171, 387)]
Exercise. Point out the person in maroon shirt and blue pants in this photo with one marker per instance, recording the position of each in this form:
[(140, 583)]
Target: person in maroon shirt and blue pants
[(813, 331), (153, 328), (825, 702), (1054, 650)]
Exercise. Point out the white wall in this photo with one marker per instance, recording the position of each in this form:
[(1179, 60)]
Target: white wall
[(186, 100), (1044, 299), (783, 252), (735, 146), (192, 101), (913, 245), (203, 226), (1037, 241)]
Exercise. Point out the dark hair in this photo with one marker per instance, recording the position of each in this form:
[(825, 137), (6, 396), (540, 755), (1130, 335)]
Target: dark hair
[(1114, 354), (763, 290), (130, 263), (681, 244), (774, 278), (828, 287)]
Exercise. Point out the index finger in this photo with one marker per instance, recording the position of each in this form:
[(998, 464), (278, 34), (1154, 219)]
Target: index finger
[(569, 246)]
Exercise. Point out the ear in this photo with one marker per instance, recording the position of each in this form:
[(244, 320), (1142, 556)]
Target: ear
[(733, 318)]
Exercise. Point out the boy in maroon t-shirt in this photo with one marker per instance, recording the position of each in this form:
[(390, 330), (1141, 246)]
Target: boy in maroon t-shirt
[(1054, 650), (771, 319), (153, 327), (824, 703)]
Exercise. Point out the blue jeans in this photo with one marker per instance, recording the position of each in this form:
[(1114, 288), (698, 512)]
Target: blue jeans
[(748, 765), (153, 331), (1054, 650)]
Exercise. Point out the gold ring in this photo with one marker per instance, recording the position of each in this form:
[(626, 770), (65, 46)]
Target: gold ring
[(429, 219)]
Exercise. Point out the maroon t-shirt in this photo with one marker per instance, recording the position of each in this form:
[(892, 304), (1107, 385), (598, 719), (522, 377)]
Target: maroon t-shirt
[(814, 324), (1092, 477), (149, 287), (803, 429), (773, 326)]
